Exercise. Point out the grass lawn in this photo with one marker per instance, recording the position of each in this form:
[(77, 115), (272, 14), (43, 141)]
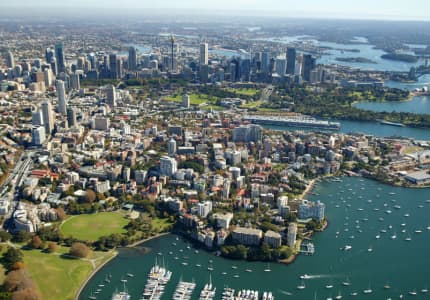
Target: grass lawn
[(246, 92), (252, 104), (92, 226), (195, 99), (57, 277)]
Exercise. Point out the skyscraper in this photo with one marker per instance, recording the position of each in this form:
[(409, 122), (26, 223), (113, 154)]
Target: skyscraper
[(186, 101), (172, 61), (61, 94), (171, 148), (111, 96), (113, 66), (308, 66), (132, 59), (291, 60), (71, 117), (265, 61), (59, 56), (48, 117), (204, 59), (10, 60), (75, 81)]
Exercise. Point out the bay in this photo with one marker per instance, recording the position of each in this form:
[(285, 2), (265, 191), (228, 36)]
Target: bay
[(355, 204)]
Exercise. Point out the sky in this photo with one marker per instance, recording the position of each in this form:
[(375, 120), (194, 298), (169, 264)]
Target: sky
[(361, 9)]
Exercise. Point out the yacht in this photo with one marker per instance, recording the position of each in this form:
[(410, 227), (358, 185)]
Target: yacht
[(394, 236), (418, 231), (305, 276), (370, 249), (302, 286), (346, 282), (248, 270), (339, 296), (424, 290), (378, 236), (413, 293), (353, 294), (406, 215), (347, 248), (267, 269)]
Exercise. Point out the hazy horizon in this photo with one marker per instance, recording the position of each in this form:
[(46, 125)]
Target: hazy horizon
[(328, 9)]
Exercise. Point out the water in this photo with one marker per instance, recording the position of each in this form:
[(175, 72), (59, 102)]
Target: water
[(422, 82), (338, 50), (372, 128), (418, 105), (403, 264)]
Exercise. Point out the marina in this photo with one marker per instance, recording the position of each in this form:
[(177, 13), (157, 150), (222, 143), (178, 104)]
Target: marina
[(344, 270)]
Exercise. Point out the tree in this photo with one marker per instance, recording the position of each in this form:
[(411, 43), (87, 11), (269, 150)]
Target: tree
[(90, 196), (79, 250), (20, 284), (61, 213), (11, 257), (52, 247), (21, 236), (36, 242), (5, 236)]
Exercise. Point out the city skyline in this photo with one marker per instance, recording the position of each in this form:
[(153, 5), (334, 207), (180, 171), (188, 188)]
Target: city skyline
[(366, 9)]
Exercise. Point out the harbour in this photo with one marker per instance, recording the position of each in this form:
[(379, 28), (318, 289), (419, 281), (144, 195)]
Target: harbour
[(344, 270)]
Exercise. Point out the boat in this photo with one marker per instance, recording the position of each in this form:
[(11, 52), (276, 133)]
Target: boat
[(406, 215), (408, 238), (330, 285), (397, 206), (339, 296), (353, 294), (346, 282), (394, 236), (302, 286), (413, 293), (236, 276), (233, 267), (184, 290), (248, 270), (158, 278), (130, 275), (387, 286), (267, 269), (305, 276), (124, 295), (370, 249), (198, 265), (418, 231), (378, 236), (368, 290), (347, 248), (208, 292), (92, 297), (424, 290)]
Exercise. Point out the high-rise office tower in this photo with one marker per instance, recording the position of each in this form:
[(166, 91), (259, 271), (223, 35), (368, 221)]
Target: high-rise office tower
[(59, 55), (172, 59), (37, 118), (71, 117), (38, 135), (61, 94), (48, 77), (132, 59), (10, 60), (48, 117), (113, 66), (291, 60), (204, 56), (75, 81), (119, 68), (265, 61), (280, 65), (49, 54), (54, 66), (111, 96), (308, 66)]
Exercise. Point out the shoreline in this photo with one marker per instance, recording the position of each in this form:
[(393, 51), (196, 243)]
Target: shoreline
[(95, 271), (81, 288), (308, 189)]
